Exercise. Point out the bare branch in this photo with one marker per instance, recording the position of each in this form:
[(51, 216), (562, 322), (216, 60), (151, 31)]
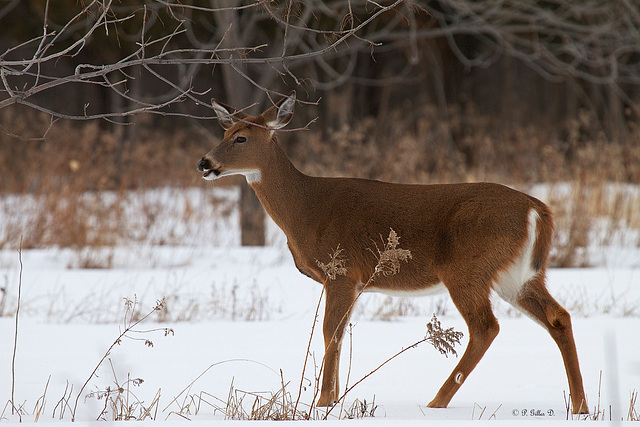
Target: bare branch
[(22, 79), (316, 42)]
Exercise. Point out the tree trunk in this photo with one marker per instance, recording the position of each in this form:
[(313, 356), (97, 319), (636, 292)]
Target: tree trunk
[(252, 215), (252, 218)]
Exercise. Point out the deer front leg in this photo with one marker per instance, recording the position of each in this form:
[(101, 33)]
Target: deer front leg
[(340, 296), (475, 308)]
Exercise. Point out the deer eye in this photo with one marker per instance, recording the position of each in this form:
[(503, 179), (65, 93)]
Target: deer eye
[(240, 139)]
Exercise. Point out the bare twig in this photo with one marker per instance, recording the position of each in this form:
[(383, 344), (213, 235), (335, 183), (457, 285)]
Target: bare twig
[(15, 335), (190, 385), (313, 41), (128, 327), (307, 354), (414, 345), (389, 260), (41, 402), (442, 340), (23, 78)]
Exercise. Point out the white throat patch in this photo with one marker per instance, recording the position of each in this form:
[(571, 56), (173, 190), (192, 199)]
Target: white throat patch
[(252, 175)]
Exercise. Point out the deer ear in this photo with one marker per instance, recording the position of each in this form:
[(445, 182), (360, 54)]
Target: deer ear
[(227, 116), (280, 114)]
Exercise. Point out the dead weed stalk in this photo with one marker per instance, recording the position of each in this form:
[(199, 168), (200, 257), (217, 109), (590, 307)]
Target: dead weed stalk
[(188, 404), (15, 335), (276, 406), (443, 340), (633, 414), (389, 260), (121, 403), (131, 320)]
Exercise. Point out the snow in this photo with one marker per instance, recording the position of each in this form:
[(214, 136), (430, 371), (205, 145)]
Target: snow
[(243, 316)]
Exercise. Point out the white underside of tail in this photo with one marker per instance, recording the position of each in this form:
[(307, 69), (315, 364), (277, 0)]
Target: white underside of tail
[(511, 281), (508, 284)]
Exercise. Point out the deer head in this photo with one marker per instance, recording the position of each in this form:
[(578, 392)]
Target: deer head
[(245, 145)]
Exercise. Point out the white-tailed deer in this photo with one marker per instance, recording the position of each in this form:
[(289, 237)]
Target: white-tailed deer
[(471, 239)]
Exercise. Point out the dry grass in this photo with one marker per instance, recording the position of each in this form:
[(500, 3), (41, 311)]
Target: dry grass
[(601, 412), (130, 322), (471, 147), (612, 303), (77, 188), (119, 400), (393, 308), (592, 214), (482, 410), (241, 405), (281, 404), (220, 301), (278, 406), (66, 176), (634, 412), (227, 301), (388, 262)]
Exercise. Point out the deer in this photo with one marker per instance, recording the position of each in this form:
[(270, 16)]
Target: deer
[(470, 239)]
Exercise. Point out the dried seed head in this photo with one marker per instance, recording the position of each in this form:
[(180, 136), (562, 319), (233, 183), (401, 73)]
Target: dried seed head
[(336, 266), (390, 256)]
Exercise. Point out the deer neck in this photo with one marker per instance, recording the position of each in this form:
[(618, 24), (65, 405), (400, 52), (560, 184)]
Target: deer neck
[(283, 191)]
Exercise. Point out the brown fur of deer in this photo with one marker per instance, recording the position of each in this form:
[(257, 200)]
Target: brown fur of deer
[(470, 239)]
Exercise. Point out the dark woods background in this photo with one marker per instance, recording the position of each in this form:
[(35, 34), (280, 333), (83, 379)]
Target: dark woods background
[(115, 95)]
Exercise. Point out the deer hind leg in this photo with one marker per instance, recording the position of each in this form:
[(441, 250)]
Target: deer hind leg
[(536, 301), (339, 299), (475, 307)]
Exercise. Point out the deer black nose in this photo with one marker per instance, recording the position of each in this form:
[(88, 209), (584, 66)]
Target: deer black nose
[(204, 164)]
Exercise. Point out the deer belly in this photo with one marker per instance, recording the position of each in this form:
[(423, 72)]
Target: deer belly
[(433, 289)]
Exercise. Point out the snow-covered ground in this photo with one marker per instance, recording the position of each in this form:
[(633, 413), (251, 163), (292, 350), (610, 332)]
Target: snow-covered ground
[(243, 317)]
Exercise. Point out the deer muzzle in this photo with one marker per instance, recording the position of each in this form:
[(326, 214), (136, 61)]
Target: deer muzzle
[(209, 172)]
